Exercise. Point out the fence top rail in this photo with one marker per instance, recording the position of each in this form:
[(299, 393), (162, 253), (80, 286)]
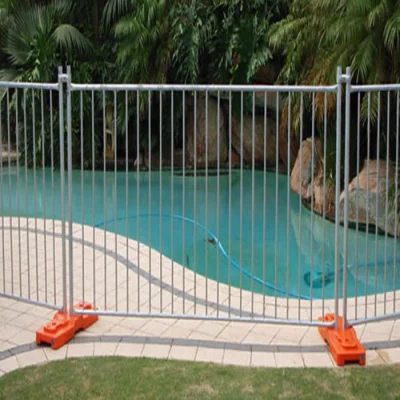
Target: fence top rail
[(28, 85), (201, 88), (375, 88)]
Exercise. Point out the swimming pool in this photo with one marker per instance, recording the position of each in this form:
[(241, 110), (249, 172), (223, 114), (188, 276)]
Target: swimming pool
[(240, 228)]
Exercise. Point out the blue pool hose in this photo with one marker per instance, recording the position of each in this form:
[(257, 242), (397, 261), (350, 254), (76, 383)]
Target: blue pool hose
[(317, 276)]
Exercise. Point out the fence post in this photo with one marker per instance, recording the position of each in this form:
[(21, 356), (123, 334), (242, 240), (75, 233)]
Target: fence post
[(62, 186), (66, 322), (347, 80), (342, 339), (70, 221)]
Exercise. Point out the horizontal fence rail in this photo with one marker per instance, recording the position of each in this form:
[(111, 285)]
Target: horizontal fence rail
[(275, 204)]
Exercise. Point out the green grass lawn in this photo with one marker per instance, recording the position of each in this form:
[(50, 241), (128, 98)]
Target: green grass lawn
[(123, 378)]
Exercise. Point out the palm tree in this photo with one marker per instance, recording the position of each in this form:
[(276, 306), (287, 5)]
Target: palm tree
[(37, 38)]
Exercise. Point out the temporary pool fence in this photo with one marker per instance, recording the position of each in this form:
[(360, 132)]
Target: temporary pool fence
[(197, 226)]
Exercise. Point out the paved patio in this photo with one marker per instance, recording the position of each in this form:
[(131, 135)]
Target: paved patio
[(110, 271)]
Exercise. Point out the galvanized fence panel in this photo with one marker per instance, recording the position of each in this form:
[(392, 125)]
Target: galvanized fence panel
[(30, 232), (373, 199), (154, 245)]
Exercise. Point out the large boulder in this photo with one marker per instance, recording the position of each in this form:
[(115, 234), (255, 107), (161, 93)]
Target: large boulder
[(214, 135), (270, 153), (307, 178), (373, 176)]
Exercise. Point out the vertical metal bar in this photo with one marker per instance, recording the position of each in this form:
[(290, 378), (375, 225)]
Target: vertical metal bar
[(70, 233), (241, 205), (218, 195), (337, 192), (206, 182), (18, 188), (378, 136), (312, 201), (195, 199), (288, 208), (299, 278), (346, 194), (113, 141), (265, 201), (127, 197), (161, 202), (324, 199), (82, 201), (172, 200), (9, 189), (253, 167), (105, 196), (2, 201), (62, 187), (276, 206), (230, 210), (396, 186), (53, 197), (138, 190), (149, 188), (35, 191), (357, 205), (367, 202), (183, 202), (44, 190), (93, 203), (387, 200), (26, 185)]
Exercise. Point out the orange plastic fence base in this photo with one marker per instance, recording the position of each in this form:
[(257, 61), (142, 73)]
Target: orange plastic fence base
[(343, 343), (62, 328)]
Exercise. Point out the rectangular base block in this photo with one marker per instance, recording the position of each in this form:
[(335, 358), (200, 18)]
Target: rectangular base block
[(62, 328), (343, 343)]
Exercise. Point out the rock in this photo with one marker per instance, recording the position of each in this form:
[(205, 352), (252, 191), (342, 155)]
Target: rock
[(308, 180), (372, 175), (213, 134), (267, 74), (258, 139)]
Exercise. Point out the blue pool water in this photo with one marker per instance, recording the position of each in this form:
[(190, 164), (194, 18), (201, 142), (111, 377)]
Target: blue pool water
[(182, 218)]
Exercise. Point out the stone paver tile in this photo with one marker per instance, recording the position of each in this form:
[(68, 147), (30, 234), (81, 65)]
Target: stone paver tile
[(133, 324), (263, 359), (199, 336), (152, 350), (211, 328), (6, 345), (176, 332), (312, 337), (317, 360), (237, 357), (101, 325), (105, 348), (377, 331), (126, 349), (287, 360), (153, 328), (28, 322), (9, 364), (290, 335), (33, 357), (235, 332), (390, 356), (374, 358), (54, 355), (206, 354), (8, 331), (23, 337), (76, 350), (187, 353), (190, 324)]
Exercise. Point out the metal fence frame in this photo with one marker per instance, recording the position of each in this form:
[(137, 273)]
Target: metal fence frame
[(66, 88)]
